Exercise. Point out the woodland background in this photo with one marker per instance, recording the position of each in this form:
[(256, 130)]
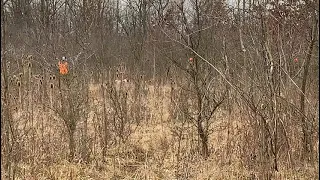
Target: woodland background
[(160, 89)]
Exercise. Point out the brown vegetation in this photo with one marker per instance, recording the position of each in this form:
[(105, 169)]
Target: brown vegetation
[(163, 89)]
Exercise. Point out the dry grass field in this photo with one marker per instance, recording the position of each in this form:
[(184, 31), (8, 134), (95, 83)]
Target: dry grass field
[(159, 89), (150, 152)]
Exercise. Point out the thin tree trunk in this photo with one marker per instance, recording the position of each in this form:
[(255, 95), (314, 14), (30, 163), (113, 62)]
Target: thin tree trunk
[(84, 146), (204, 142), (6, 100), (307, 139), (104, 116), (71, 145)]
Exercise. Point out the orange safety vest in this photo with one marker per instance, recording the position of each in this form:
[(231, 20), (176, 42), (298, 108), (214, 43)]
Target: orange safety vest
[(63, 67)]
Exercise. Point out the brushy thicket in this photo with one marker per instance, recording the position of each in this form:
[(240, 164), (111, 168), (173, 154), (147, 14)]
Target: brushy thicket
[(164, 89)]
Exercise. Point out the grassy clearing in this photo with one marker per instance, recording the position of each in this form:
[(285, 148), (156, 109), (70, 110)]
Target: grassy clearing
[(149, 153)]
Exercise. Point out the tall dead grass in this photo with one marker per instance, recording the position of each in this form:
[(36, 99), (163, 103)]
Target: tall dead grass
[(150, 151)]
